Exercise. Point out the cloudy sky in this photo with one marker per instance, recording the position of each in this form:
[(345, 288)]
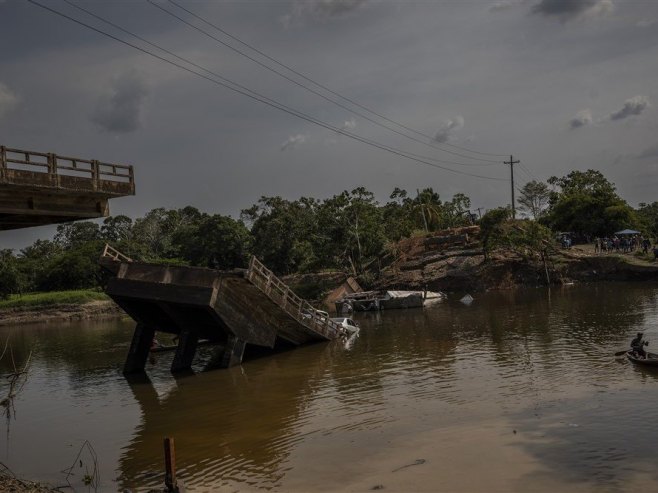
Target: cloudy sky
[(560, 84)]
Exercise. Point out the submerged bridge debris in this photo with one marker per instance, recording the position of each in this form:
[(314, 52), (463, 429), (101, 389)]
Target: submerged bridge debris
[(232, 309)]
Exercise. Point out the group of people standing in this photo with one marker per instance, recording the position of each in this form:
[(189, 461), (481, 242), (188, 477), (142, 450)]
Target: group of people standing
[(623, 244)]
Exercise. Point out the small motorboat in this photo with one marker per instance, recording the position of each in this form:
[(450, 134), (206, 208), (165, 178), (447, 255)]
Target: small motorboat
[(650, 360)]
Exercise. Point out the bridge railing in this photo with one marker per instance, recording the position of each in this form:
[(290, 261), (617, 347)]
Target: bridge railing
[(120, 176), (114, 254), (301, 310)]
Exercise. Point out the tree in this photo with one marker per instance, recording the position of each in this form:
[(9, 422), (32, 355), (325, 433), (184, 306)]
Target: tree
[(283, 232), (217, 242), (586, 203), (648, 217), (428, 204), (116, 228), (491, 228), (9, 276), (534, 198), (75, 268), (397, 215), (71, 235)]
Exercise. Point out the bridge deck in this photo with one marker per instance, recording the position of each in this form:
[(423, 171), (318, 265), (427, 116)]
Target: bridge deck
[(39, 188), (231, 308)]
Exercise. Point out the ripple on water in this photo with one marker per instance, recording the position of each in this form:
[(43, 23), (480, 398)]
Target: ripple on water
[(542, 362)]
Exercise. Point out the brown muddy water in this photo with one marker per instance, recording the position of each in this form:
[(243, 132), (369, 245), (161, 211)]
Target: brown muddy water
[(519, 391)]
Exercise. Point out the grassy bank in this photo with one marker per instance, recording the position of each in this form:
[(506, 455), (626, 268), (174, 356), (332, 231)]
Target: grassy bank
[(35, 300)]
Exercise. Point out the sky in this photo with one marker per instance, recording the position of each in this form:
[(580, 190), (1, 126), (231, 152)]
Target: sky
[(561, 85)]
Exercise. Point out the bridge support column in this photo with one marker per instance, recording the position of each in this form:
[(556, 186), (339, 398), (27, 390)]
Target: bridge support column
[(139, 349), (187, 343), (233, 352)]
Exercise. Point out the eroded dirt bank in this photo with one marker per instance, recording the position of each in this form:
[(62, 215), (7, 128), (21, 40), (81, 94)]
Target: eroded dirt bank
[(62, 312)]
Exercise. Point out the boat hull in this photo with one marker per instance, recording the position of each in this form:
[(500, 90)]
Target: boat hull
[(650, 360)]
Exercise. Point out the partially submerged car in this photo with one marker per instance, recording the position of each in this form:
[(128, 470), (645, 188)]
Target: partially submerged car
[(348, 325)]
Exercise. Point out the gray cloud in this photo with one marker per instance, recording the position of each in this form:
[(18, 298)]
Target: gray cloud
[(582, 118), (648, 153), (120, 110), (320, 9), (293, 141), (443, 134), (8, 100), (568, 9), (501, 6), (349, 124), (633, 106)]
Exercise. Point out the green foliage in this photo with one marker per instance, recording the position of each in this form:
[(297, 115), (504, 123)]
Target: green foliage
[(282, 232), (9, 275), (648, 218), (217, 242), (534, 198), (348, 231), (34, 300), (530, 239), (72, 235), (492, 231), (75, 268), (587, 203)]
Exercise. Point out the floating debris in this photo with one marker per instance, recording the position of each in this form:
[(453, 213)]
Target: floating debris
[(467, 300)]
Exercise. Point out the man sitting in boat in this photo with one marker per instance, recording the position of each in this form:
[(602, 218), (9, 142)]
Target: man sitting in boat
[(637, 346)]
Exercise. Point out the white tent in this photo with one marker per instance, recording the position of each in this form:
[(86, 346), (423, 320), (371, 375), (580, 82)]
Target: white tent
[(627, 232)]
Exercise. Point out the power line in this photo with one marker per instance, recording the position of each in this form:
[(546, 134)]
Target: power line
[(313, 91), (260, 98), (219, 76), (355, 103)]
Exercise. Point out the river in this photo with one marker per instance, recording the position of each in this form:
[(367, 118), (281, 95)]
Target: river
[(518, 391)]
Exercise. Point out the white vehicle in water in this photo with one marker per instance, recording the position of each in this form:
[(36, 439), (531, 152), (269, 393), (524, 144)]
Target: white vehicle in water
[(348, 325)]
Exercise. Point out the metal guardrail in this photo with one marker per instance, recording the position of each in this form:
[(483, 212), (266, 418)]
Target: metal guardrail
[(114, 254), (298, 308), (59, 166)]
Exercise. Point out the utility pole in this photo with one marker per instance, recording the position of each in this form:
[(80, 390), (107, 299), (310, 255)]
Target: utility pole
[(511, 163)]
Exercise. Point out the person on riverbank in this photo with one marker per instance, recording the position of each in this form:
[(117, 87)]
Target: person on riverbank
[(637, 345)]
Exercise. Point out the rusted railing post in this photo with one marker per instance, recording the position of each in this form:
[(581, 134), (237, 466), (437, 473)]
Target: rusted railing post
[(170, 465)]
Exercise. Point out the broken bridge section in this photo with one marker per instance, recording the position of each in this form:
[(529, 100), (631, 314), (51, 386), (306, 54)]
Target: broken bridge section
[(39, 188), (232, 309)]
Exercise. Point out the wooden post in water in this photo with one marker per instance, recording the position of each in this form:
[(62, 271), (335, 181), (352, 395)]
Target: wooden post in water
[(170, 465)]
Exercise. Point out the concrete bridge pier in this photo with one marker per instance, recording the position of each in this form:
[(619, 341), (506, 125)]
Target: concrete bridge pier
[(233, 352), (187, 344), (139, 349)]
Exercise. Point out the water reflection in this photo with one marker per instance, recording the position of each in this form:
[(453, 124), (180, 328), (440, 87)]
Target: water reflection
[(230, 426), (535, 360)]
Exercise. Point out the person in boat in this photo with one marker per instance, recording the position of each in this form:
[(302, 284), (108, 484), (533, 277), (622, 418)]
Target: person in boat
[(637, 345)]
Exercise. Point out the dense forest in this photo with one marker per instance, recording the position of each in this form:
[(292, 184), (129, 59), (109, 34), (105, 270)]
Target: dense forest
[(348, 231)]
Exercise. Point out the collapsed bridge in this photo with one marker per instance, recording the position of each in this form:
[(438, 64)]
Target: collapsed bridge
[(232, 309)]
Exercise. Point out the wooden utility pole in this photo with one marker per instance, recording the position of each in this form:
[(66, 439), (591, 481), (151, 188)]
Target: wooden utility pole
[(511, 163), (170, 466)]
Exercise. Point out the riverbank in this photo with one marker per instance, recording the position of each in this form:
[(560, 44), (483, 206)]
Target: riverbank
[(57, 306), (11, 484), (466, 270)]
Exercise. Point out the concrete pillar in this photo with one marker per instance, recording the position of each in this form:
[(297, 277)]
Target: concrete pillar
[(187, 343), (233, 352), (139, 349)]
